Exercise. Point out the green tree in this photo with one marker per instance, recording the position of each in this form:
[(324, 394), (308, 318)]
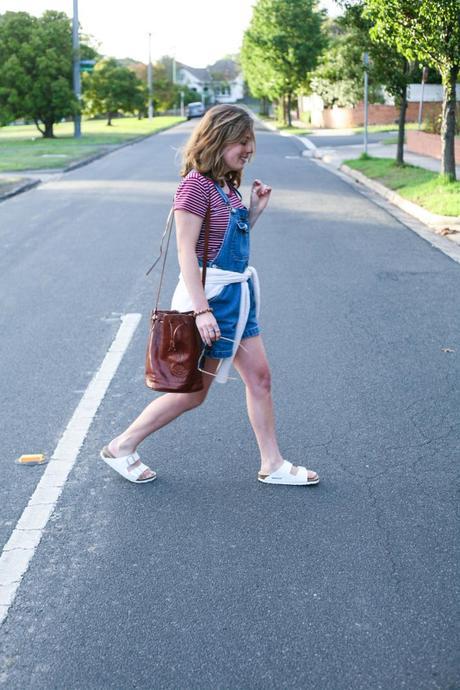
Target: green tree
[(286, 38), (111, 88), (36, 69), (428, 31), (338, 78), (258, 73), (166, 94), (388, 68)]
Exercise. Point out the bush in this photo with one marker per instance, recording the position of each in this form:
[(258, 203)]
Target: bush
[(433, 123)]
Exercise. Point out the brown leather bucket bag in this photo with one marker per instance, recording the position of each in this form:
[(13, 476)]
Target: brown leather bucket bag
[(174, 345)]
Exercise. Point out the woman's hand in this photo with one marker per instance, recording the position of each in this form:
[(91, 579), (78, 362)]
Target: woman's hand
[(208, 328), (260, 196)]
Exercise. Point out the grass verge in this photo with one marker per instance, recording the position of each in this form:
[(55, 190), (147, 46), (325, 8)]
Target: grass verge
[(376, 129), (293, 129), (24, 148), (421, 186), (298, 131)]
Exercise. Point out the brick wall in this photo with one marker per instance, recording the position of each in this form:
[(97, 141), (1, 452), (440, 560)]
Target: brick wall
[(428, 144), (337, 118)]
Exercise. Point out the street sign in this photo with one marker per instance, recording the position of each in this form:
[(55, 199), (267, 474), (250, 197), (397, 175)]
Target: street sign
[(87, 65)]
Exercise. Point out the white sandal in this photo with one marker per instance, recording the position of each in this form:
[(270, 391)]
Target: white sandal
[(122, 464), (283, 475)]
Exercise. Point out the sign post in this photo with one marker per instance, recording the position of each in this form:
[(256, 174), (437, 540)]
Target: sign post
[(149, 79), (366, 106), (76, 69)]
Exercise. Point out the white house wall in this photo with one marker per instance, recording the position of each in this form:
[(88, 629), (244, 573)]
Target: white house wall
[(236, 86), (431, 92)]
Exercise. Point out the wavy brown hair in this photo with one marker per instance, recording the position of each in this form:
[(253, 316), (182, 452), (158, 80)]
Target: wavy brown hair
[(220, 126)]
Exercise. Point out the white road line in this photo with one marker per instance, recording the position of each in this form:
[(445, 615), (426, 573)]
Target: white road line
[(309, 144), (21, 546)]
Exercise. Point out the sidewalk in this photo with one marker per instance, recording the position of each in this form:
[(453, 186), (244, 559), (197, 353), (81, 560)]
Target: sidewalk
[(336, 156)]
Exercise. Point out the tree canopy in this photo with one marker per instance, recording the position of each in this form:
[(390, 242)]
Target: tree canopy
[(281, 46), (338, 78), (36, 69), (427, 31), (111, 88)]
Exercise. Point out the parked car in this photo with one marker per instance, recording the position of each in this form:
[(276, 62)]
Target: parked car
[(195, 109)]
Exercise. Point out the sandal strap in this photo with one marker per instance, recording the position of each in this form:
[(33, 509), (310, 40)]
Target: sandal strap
[(302, 472), (137, 471), (125, 461)]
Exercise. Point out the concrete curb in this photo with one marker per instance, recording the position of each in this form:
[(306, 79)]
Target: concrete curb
[(447, 245), (116, 147), (310, 149), (431, 219), (23, 186), (29, 184)]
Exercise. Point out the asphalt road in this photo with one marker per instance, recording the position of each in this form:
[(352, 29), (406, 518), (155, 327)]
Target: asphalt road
[(206, 578)]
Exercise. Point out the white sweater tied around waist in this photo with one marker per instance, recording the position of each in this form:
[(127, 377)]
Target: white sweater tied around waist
[(216, 280)]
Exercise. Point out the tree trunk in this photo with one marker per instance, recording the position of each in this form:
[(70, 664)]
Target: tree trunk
[(42, 131), (401, 126), (264, 106), (49, 134), (109, 119), (289, 106), (449, 79)]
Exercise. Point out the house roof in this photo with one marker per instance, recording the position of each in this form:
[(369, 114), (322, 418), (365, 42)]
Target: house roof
[(222, 69), (228, 69), (198, 72)]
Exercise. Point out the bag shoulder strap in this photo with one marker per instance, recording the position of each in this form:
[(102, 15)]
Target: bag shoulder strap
[(167, 232)]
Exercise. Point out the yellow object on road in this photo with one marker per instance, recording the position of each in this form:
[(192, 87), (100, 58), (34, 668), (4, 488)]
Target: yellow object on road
[(35, 459)]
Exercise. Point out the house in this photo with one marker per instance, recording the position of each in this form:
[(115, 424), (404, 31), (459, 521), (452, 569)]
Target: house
[(228, 80), (218, 83)]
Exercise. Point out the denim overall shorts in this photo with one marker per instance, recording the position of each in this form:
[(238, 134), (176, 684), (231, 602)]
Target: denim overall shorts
[(232, 256)]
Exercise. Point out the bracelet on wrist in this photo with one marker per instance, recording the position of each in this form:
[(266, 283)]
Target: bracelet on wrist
[(202, 311)]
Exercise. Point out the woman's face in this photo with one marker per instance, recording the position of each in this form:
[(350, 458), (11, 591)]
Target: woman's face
[(236, 155)]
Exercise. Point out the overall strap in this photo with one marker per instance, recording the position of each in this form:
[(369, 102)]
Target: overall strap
[(222, 194), (167, 232)]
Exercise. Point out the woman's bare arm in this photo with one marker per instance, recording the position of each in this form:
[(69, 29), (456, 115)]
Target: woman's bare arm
[(188, 226), (260, 196)]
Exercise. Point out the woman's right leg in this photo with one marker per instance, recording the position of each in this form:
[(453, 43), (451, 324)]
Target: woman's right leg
[(157, 414)]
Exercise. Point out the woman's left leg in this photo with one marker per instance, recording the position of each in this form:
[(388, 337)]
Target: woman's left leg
[(252, 365)]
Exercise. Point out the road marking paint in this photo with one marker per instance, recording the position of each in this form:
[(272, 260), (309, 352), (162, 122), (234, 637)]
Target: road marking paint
[(308, 143), (25, 538)]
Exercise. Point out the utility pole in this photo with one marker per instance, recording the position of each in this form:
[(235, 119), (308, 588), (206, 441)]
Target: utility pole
[(76, 68), (149, 79), (366, 107)]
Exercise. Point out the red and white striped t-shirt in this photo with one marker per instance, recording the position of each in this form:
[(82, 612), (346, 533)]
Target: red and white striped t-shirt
[(195, 194)]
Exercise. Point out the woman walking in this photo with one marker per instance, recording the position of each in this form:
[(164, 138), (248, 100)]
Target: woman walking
[(226, 311)]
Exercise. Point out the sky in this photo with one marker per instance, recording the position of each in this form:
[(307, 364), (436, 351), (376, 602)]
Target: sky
[(195, 32)]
